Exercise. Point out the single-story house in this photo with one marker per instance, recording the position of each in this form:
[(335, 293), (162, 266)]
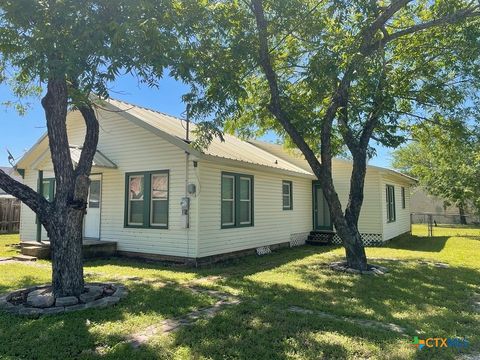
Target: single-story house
[(158, 197)]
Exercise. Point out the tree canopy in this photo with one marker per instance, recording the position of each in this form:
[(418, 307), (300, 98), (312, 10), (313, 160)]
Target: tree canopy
[(330, 75), (71, 50), (445, 157)]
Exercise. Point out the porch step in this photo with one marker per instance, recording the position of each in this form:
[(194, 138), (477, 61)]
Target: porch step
[(323, 237), (41, 252), (90, 249), (24, 258)]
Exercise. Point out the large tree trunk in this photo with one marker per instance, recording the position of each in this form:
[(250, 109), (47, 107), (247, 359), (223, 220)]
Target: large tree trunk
[(66, 237), (346, 224), (66, 245), (463, 217), (346, 228)]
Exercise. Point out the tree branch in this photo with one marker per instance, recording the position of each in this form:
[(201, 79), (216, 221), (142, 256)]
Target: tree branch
[(448, 19), (55, 104), (90, 143), (28, 196), (275, 105)]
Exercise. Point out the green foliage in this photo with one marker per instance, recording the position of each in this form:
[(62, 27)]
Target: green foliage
[(312, 44), (445, 157), (89, 42)]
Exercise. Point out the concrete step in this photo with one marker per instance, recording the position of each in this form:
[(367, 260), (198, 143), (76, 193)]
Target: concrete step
[(24, 258), (39, 252)]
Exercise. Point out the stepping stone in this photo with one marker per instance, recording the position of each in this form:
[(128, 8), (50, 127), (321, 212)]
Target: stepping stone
[(24, 258), (5, 259), (42, 298), (442, 265)]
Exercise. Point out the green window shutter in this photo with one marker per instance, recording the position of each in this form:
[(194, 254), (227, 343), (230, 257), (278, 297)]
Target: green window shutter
[(287, 195), (403, 198)]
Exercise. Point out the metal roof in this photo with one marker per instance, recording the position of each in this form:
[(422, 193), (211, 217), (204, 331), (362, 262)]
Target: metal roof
[(232, 148)]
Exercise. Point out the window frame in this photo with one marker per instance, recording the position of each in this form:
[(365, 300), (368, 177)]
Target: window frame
[(51, 188), (403, 198), (390, 202), (237, 200), (147, 199), (290, 194)]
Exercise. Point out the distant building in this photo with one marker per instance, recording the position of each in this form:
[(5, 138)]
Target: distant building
[(421, 202)]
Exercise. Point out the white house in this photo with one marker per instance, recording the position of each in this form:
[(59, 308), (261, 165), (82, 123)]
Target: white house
[(157, 197)]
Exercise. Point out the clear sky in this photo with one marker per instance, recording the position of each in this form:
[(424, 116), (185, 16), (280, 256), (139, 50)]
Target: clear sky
[(19, 133)]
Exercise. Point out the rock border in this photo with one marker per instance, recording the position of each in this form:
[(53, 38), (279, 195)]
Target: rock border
[(62, 305), (342, 266)]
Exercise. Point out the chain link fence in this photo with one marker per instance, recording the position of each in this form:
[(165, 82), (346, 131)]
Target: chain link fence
[(432, 221)]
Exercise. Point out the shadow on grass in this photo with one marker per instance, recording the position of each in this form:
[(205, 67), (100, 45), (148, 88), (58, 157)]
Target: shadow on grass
[(418, 243), (77, 335), (432, 300), (425, 301)]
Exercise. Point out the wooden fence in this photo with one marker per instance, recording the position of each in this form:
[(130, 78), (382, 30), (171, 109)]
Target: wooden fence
[(9, 216)]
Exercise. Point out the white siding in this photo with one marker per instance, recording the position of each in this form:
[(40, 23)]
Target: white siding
[(28, 228), (370, 221), (133, 149), (401, 224), (272, 224)]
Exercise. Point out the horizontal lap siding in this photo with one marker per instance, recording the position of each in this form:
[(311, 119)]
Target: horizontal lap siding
[(272, 224), (401, 224), (370, 220), (28, 228), (135, 149)]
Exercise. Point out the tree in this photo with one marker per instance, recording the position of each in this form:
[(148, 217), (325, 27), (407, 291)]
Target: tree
[(445, 157), (74, 48), (324, 74)]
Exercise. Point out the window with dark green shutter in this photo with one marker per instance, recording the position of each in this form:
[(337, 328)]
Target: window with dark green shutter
[(390, 197), (236, 200), (146, 199), (403, 198), (287, 198)]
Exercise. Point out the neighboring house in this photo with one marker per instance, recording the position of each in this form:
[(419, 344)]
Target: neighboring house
[(11, 172), (158, 197), (422, 204)]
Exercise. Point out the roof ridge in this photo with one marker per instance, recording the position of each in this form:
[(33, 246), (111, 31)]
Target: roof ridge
[(146, 108)]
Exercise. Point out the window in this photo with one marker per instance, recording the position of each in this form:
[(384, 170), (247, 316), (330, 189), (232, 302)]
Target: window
[(94, 194), (147, 199), (237, 200), (403, 197), (390, 203), (48, 189), (287, 197)]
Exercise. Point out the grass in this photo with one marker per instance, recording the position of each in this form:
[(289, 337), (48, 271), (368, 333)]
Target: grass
[(426, 300)]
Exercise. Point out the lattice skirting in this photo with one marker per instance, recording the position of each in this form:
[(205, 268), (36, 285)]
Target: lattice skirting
[(368, 239), (298, 239)]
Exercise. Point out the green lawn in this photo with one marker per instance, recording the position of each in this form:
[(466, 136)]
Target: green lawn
[(427, 301)]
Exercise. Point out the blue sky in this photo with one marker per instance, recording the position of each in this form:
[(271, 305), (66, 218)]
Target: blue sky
[(19, 133)]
